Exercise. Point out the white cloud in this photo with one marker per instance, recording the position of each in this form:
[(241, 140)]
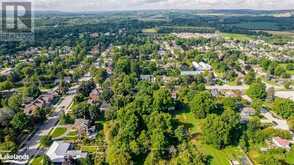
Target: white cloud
[(100, 5)]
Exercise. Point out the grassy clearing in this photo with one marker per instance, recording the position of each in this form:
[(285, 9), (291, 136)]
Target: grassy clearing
[(291, 72), (37, 161), (151, 30), (282, 33), (90, 149), (254, 154), (71, 136), (72, 133), (219, 157), (57, 132), (234, 36), (290, 157), (187, 119)]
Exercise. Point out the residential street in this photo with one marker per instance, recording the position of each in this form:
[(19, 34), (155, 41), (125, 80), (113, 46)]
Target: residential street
[(278, 93), (31, 145)]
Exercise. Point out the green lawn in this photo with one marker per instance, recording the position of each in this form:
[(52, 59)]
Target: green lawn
[(220, 157), (189, 121), (290, 156), (57, 132), (7, 146), (37, 161), (91, 149), (72, 136), (291, 72), (72, 133), (234, 36), (151, 30)]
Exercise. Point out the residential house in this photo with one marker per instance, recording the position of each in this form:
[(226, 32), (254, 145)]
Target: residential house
[(104, 107), (42, 101), (201, 66), (6, 72), (147, 78), (245, 114), (190, 73), (174, 95), (83, 127), (94, 96), (281, 143), (65, 79), (60, 151)]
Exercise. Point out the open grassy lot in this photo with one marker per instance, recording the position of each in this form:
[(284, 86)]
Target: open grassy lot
[(37, 161), (254, 154), (57, 132), (291, 72), (151, 30), (189, 121), (71, 136), (219, 157), (90, 149), (7, 146), (222, 157), (290, 156), (234, 36), (258, 25), (282, 33)]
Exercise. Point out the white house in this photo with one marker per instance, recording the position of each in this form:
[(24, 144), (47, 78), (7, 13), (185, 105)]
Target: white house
[(60, 150), (190, 73), (201, 66)]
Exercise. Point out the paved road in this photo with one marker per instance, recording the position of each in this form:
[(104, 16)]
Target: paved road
[(227, 87), (31, 146)]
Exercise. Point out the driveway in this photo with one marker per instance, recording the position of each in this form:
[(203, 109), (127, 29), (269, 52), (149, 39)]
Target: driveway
[(285, 94), (279, 123)]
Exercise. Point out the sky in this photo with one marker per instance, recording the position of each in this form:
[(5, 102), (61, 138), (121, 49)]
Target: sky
[(104, 5)]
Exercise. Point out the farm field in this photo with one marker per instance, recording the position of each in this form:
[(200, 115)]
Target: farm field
[(234, 36)]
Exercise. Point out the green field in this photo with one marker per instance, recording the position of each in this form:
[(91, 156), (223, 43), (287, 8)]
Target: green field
[(258, 25), (220, 157), (290, 72), (151, 30), (290, 156), (91, 149), (57, 132), (234, 36), (190, 122), (37, 161)]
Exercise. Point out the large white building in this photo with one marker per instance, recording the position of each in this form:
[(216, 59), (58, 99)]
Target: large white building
[(59, 151), (201, 66)]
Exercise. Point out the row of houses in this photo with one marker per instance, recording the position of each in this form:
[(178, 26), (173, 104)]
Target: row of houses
[(42, 101), (198, 69)]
